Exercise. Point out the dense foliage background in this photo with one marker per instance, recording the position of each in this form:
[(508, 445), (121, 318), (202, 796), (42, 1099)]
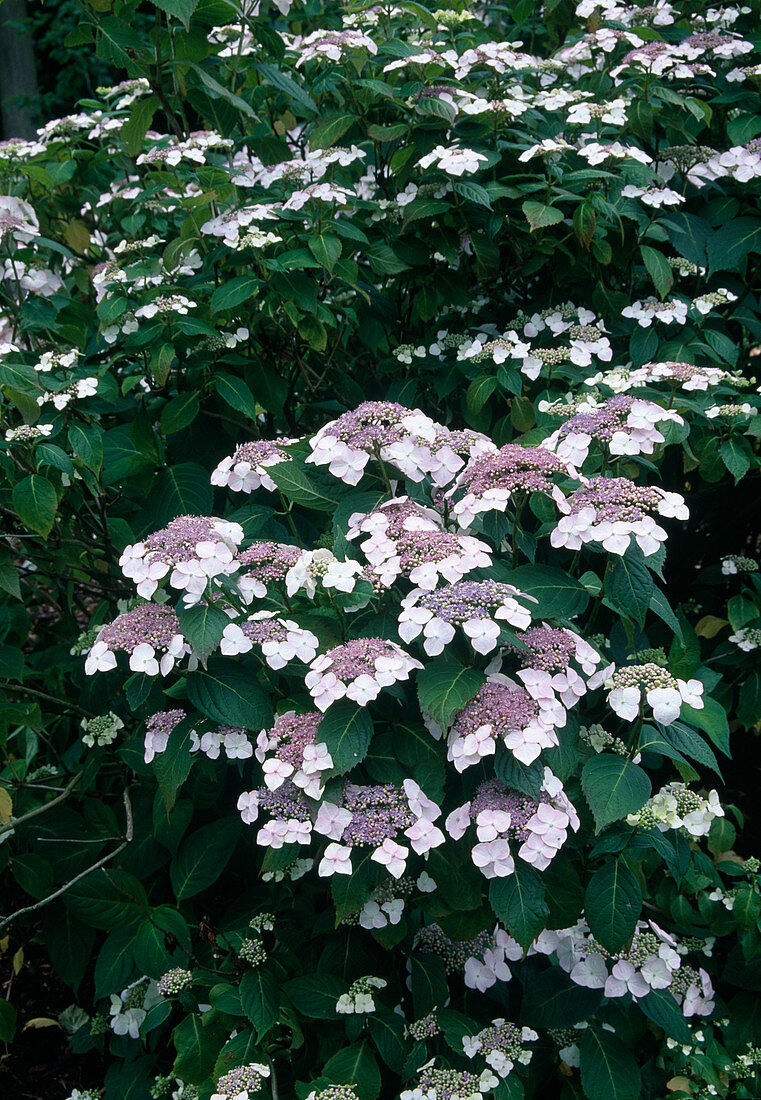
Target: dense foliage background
[(538, 227)]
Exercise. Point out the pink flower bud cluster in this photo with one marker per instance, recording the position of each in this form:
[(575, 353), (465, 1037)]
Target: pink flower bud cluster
[(442, 1083), (265, 563), (673, 311), (684, 376), (380, 816), (390, 520), (191, 549), (488, 483), (150, 634), (652, 961), (280, 640), (501, 1045), (357, 670), (291, 751), (633, 685), (478, 607), (501, 710), (623, 425), (609, 510), (157, 730), (290, 820), (315, 569), (331, 46), (405, 542), (482, 960), (548, 654), (501, 815), (246, 469), (404, 438)]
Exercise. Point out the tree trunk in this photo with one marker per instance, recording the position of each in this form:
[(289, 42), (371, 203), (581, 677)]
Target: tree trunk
[(18, 77)]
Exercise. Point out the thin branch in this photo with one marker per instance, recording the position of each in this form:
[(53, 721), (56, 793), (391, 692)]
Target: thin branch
[(14, 821), (83, 874), (63, 704)]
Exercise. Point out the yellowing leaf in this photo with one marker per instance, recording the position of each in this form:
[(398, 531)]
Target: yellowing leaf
[(709, 626), (77, 236), (6, 806), (18, 960), (40, 1021)]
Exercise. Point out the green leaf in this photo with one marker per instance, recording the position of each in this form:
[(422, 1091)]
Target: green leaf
[(736, 456), (203, 856), (230, 695), (172, 766), (179, 412), (518, 902), (258, 996), (418, 208), (295, 484), (658, 269), (429, 985), (445, 686), (326, 249), (560, 596), (197, 1044), (284, 83), (86, 441), (690, 744), (121, 457), (182, 489), (661, 1007), (316, 995), (329, 130), (347, 730), (479, 391), (538, 215), (156, 942), (203, 627), (387, 1033), (663, 609), (608, 1069), (614, 787), (730, 245), (140, 118), (313, 332), (553, 1000), (585, 223), (217, 90), (629, 588), (526, 778), (181, 9), (473, 192), (107, 900), (7, 1021), (115, 964), (36, 503), (233, 292), (69, 944), (712, 719), (355, 1066), (612, 904)]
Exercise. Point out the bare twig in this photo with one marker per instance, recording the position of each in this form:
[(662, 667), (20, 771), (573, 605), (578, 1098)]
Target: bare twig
[(14, 821), (128, 834)]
